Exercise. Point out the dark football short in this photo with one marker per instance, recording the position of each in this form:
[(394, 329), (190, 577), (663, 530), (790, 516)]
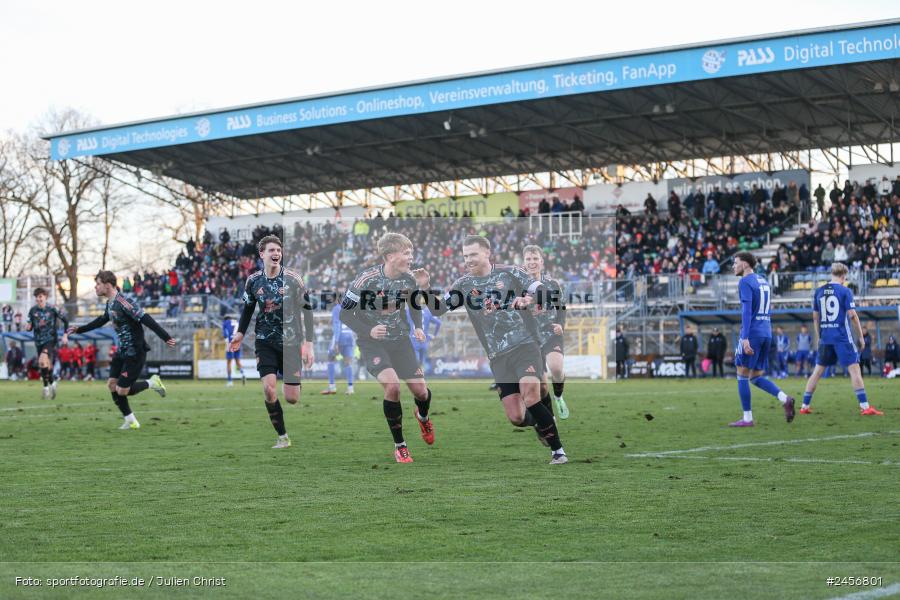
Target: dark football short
[(274, 357), (508, 368), (399, 355), (49, 348), (554, 344), (126, 369)]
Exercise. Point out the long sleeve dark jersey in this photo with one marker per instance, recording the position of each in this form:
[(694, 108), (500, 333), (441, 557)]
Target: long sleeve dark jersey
[(129, 320), (375, 299), (282, 300)]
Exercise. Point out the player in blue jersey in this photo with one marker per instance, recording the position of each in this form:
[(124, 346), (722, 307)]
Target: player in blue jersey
[(833, 311), (752, 354), (343, 344), (782, 349), (421, 347), (228, 327), (804, 345)]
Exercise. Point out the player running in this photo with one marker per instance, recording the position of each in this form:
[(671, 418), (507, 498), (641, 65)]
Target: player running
[(496, 298), (752, 355), (43, 322), (228, 326), (550, 325), (833, 311), (343, 343), (374, 307), (127, 363), (282, 297)]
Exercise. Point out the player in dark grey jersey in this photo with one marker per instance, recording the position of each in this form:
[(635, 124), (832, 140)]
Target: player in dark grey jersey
[(550, 324), (43, 322), (285, 318), (496, 298), (127, 363), (374, 307)]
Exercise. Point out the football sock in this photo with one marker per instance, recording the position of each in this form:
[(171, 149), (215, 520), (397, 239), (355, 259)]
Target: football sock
[(122, 403), (558, 388), (229, 375), (330, 373), (767, 386), (548, 404), (50, 377), (545, 426), (424, 405), (45, 377), (744, 392), (348, 373), (863, 400), (276, 416), (807, 398), (138, 387), (393, 413)]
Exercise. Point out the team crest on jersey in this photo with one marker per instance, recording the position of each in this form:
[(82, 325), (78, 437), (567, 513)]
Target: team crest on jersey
[(376, 360), (124, 373)]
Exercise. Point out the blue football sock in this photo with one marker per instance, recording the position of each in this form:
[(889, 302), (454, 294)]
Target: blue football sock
[(229, 375), (765, 385), (744, 392), (331, 373), (807, 398), (861, 396), (348, 372)]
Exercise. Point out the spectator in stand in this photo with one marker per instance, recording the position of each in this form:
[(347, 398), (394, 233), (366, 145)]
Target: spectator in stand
[(224, 236), (650, 205), (820, 201), (577, 205), (711, 266), (543, 206), (840, 253), (18, 319), (557, 206), (674, 206), (15, 360), (7, 317)]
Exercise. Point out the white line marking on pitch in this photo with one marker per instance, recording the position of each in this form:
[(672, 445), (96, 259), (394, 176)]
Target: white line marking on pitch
[(662, 453), (767, 459), (145, 410), (875, 593)]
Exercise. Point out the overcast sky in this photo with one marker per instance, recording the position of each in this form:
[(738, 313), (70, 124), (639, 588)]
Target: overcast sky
[(122, 61)]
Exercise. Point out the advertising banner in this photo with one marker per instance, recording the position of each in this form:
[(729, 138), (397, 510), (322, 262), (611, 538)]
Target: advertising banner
[(480, 207), (183, 369), (605, 198), (803, 51), (744, 181)]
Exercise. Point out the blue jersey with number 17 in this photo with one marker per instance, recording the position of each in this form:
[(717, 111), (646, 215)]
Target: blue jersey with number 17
[(754, 291), (833, 301)]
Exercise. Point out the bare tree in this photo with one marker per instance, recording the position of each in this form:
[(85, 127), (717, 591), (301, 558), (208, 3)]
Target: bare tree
[(193, 208), (62, 195), (18, 225)]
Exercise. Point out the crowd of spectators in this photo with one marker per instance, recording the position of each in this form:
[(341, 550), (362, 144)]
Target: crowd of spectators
[(694, 236), (860, 228)]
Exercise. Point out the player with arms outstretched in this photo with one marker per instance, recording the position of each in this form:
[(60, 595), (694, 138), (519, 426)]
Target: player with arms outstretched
[(833, 311), (43, 322), (374, 307), (127, 363), (343, 343), (496, 298), (550, 325), (752, 355), (282, 299)]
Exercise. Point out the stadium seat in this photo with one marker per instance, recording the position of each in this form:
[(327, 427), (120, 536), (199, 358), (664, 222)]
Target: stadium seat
[(798, 285), (893, 282), (881, 283)]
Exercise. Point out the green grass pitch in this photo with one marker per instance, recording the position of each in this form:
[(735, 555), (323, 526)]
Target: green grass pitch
[(661, 499)]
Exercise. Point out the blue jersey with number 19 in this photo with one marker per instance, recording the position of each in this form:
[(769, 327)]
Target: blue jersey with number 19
[(756, 304), (833, 301)]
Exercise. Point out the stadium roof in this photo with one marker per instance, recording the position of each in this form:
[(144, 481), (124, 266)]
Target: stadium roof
[(837, 86)]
